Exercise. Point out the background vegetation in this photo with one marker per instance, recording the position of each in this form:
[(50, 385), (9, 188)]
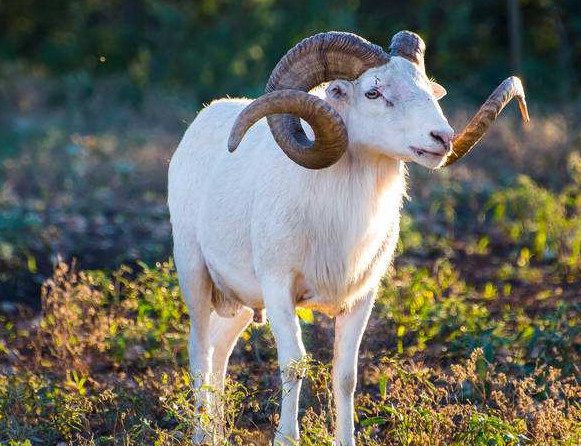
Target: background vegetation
[(476, 337)]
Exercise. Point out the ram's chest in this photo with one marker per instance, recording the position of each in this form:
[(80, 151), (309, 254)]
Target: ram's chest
[(347, 257)]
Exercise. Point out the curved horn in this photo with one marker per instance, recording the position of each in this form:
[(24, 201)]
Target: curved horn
[(330, 132), (409, 45), (317, 59), (479, 124)]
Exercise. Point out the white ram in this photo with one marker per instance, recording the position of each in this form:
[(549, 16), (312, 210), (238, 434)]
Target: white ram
[(318, 227)]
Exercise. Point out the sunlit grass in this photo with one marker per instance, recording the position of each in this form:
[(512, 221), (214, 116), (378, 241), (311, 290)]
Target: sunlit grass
[(475, 338)]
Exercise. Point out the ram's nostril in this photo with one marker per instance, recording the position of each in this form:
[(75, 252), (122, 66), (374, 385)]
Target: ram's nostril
[(436, 137), (443, 137)]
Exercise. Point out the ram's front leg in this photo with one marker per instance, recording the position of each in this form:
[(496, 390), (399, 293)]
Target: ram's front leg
[(280, 309), (349, 328)]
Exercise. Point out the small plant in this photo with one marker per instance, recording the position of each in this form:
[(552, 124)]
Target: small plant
[(541, 223)]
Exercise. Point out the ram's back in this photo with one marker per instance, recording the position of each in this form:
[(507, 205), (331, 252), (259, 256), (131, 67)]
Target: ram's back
[(203, 145)]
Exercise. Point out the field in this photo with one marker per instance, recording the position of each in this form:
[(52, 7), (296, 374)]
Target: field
[(475, 338)]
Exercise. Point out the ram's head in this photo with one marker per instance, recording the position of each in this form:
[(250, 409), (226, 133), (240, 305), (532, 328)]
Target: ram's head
[(376, 100)]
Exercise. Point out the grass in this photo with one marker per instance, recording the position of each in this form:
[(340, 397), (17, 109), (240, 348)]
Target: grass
[(106, 364), (475, 338), (446, 360)]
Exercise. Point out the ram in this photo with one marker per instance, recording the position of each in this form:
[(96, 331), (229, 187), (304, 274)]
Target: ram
[(306, 216)]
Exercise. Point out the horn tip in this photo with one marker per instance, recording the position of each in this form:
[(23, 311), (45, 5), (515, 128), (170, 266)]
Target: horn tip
[(520, 97), (233, 142), (524, 111)]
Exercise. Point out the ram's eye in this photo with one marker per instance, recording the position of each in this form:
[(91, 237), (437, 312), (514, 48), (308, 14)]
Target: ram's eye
[(372, 94)]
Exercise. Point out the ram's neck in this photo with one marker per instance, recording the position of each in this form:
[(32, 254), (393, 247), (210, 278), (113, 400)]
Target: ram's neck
[(352, 215), (361, 178)]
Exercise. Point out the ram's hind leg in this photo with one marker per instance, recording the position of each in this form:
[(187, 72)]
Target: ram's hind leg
[(224, 332), (196, 288)]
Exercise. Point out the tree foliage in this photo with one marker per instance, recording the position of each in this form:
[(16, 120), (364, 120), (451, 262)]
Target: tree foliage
[(218, 47)]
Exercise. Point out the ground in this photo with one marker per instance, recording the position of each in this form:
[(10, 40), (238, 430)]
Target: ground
[(475, 338)]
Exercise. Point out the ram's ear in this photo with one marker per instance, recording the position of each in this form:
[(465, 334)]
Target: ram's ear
[(339, 91), (438, 90)]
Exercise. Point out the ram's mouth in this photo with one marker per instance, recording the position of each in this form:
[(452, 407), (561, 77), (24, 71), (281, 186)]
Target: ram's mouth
[(427, 153)]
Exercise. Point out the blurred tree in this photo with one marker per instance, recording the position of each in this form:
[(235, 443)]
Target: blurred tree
[(218, 47), (515, 20)]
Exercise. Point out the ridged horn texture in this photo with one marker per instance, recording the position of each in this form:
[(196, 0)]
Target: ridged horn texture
[(314, 60), (330, 131), (409, 45), (479, 124)]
